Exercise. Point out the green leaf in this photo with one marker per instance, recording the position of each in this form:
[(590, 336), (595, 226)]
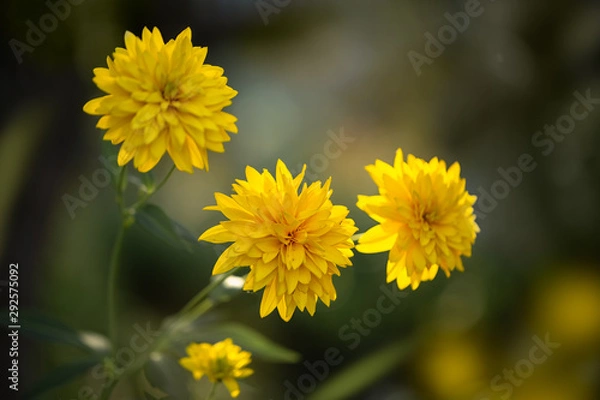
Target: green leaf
[(154, 220), (110, 152), (23, 131), (245, 337), (62, 375), (363, 373), (41, 327), (184, 234)]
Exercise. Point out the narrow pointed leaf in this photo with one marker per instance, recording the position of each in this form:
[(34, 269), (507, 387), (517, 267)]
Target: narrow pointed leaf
[(245, 337), (363, 373), (62, 375)]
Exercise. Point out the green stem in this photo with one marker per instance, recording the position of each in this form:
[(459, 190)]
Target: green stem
[(113, 273), (191, 311), (113, 269), (165, 179), (149, 194), (195, 308), (120, 181), (160, 341), (205, 292), (107, 390), (193, 314), (212, 391), (112, 287)]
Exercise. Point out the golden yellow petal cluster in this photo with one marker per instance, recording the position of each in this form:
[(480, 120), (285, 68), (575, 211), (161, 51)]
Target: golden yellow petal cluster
[(293, 242), (161, 97), (425, 216), (222, 362)]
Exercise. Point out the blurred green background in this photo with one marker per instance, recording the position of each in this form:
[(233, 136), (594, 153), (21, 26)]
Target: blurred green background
[(307, 71)]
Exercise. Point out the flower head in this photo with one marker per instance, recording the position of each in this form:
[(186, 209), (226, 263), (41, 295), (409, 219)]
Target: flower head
[(162, 97), (222, 362), (425, 218), (293, 242)]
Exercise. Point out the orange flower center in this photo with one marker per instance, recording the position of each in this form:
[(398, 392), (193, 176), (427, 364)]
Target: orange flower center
[(424, 218), (297, 235)]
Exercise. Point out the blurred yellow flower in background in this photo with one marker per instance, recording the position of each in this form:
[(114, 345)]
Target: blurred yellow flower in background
[(553, 387), (162, 97), (568, 305), (452, 367), (293, 242), (425, 218), (222, 362)]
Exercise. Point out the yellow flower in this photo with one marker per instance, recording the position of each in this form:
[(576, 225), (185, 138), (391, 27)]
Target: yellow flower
[(221, 362), (162, 97), (425, 218), (293, 243)]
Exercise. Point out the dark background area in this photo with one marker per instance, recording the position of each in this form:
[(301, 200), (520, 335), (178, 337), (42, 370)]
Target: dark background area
[(314, 68)]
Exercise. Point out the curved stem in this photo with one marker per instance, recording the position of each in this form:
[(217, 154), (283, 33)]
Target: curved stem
[(107, 390), (205, 292), (212, 391), (147, 196), (196, 307), (160, 341), (165, 179), (193, 314)]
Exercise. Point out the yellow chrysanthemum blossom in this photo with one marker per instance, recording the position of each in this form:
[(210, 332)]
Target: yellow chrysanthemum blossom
[(222, 362), (293, 242), (162, 97), (425, 218)]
